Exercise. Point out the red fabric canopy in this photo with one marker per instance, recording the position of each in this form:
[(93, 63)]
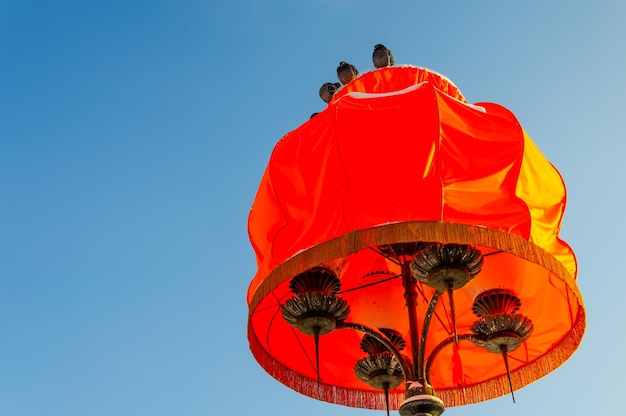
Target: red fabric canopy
[(400, 156)]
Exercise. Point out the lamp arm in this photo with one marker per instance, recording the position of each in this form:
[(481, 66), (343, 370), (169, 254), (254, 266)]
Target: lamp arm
[(441, 346), (406, 367), (421, 365)]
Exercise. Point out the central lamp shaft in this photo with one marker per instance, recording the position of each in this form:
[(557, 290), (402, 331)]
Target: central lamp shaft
[(410, 295)]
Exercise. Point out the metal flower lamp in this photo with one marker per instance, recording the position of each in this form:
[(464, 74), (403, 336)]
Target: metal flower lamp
[(408, 251)]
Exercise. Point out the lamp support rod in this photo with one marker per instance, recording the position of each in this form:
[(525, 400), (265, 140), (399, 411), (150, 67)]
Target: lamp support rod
[(421, 375), (410, 296)]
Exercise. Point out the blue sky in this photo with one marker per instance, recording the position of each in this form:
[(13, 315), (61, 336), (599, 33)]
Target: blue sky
[(133, 136)]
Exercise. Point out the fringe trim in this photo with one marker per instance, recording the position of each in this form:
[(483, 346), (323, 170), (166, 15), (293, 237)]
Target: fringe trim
[(454, 397), (436, 231), (324, 392), (521, 377)]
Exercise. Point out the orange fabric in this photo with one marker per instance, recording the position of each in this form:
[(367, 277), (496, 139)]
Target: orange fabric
[(401, 146)]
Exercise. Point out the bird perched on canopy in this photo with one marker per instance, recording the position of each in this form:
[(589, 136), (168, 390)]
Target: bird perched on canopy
[(328, 89), (382, 56), (346, 72)]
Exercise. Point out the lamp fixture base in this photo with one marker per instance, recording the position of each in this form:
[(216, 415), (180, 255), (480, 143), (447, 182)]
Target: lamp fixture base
[(422, 405), (421, 401)]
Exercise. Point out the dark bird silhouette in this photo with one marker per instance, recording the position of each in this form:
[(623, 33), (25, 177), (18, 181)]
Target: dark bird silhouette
[(346, 72), (382, 56), (327, 90)]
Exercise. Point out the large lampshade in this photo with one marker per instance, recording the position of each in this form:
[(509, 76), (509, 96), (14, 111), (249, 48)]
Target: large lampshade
[(369, 212)]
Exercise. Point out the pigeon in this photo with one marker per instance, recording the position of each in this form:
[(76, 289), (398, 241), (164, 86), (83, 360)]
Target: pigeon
[(346, 72), (327, 90), (382, 56)]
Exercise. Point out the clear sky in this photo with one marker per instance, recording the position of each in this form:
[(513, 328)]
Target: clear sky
[(133, 135)]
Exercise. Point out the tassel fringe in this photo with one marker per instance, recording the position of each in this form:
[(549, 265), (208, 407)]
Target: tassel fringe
[(454, 397), (435, 231)]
